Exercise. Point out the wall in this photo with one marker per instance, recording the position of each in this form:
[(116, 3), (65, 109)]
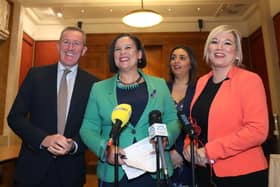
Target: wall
[(26, 56), (46, 32), (276, 20), (157, 49), (4, 57), (252, 23), (274, 7), (271, 54)]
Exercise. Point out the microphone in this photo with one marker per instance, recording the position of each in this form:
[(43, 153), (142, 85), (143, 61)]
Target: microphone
[(120, 117), (158, 129), (191, 129), (187, 127)]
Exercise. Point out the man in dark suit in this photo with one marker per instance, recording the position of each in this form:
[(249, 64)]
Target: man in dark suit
[(48, 157)]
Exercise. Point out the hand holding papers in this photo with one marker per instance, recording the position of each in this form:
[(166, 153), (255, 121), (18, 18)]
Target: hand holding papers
[(140, 158)]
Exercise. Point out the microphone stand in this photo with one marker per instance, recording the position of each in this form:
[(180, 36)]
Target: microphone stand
[(192, 136), (189, 130), (158, 158), (157, 162), (116, 165)]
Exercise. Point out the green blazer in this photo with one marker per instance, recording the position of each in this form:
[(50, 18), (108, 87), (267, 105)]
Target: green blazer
[(97, 122)]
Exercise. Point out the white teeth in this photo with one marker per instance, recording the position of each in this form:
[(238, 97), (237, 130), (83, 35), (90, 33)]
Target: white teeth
[(69, 54), (219, 54), (176, 67), (123, 59)]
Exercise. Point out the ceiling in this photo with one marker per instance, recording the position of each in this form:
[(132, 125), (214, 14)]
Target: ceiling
[(111, 11)]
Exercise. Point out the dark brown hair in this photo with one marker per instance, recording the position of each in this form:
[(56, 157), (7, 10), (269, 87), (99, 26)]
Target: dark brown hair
[(193, 70), (141, 62)]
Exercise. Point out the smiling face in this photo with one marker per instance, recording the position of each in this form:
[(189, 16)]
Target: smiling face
[(71, 47), (126, 54), (222, 50), (180, 62)]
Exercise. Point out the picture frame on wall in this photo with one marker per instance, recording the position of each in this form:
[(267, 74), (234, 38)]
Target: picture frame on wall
[(5, 9)]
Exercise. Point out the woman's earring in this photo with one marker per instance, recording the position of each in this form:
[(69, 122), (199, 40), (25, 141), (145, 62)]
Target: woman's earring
[(139, 61), (237, 60)]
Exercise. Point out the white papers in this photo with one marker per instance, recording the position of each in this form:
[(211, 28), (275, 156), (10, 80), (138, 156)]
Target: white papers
[(131, 172), (141, 157)]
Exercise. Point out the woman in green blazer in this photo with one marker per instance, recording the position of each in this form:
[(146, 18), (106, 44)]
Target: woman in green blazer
[(144, 93)]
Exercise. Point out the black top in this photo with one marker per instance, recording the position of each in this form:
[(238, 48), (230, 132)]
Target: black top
[(200, 110), (137, 98)]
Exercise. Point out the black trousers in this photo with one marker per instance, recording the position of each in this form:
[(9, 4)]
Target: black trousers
[(256, 179), (145, 180), (51, 179)]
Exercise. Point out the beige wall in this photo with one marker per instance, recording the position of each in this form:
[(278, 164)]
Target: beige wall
[(274, 7)]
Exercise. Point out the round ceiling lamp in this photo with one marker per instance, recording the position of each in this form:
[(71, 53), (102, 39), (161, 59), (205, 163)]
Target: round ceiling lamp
[(142, 18)]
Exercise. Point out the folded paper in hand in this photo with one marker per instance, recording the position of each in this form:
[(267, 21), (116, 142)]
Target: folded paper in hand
[(141, 158)]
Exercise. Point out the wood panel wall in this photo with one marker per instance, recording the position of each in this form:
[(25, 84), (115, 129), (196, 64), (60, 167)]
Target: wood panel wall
[(4, 59), (276, 21), (26, 56), (157, 47), (258, 61), (45, 53), (4, 65)]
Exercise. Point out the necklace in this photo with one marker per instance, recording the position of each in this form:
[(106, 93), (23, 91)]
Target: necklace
[(128, 86)]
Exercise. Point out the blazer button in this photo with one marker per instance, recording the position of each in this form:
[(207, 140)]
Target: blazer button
[(133, 131)]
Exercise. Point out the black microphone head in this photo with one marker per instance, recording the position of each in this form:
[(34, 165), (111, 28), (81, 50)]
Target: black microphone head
[(155, 117), (186, 125)]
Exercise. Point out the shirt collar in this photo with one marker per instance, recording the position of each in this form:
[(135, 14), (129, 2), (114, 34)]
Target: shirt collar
[(62, 67)]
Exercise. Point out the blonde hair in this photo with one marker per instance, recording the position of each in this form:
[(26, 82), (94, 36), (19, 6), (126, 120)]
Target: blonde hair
[(237, 40)]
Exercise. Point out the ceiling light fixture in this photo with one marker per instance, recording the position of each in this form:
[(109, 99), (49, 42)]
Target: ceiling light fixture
[(59, 14), (142, 18)]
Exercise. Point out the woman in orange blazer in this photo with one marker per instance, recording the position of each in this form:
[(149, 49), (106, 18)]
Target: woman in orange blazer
[(229, 106)]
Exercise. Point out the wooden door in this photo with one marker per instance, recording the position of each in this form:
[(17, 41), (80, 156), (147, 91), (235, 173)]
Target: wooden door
[(26, 56)]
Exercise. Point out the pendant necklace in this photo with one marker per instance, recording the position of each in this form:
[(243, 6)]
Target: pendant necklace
[(128, 86)]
